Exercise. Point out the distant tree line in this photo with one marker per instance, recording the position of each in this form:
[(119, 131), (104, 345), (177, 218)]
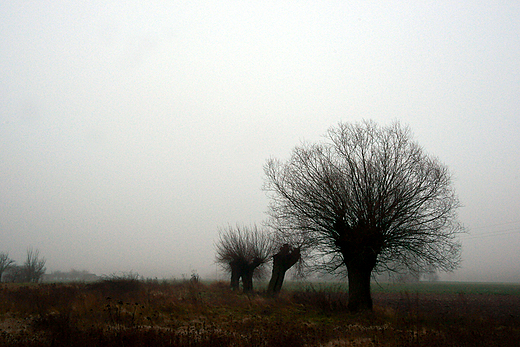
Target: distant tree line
[(31, 271), (70, 276)]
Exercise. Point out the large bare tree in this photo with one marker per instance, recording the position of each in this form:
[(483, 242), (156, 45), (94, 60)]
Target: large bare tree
[(242, 251), (366, 199)]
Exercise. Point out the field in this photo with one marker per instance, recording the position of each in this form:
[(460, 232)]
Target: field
[(127, 312)]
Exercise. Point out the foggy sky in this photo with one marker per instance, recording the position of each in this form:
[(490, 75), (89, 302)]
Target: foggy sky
[(131, 130)]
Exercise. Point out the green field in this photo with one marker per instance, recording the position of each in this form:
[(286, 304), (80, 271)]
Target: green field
[(420, 287), (449, 287)]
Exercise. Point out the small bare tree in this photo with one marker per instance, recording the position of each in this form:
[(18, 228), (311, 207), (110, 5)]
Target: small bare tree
[(243, 251), (366, 199), (14, 274), (34, 266), (5, 263)]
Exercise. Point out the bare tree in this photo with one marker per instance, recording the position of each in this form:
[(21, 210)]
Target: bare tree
[(34, 266), (5, 263), (243, 251), (364, 200), (14, 274)]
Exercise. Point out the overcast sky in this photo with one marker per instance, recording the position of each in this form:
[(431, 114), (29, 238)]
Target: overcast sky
[(131, 130)]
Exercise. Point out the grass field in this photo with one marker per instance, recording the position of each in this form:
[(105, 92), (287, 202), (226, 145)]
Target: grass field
[(450, 287), (419, 287), (127, 312)]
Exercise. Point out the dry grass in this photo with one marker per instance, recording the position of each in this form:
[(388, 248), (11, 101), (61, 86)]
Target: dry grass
[(128, 312)]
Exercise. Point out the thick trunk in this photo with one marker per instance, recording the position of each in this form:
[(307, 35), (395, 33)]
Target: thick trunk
[(242, 269), (247, 281), (360, 246), (236, 273), (235, 278), (282, 261), (359, 296), (276, 282)]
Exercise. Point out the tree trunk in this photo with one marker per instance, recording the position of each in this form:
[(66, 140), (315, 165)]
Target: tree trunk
[(276, 282), (282, 261), (247, 281), (244, 270), (359, 296), (360, 247), (235, 277)]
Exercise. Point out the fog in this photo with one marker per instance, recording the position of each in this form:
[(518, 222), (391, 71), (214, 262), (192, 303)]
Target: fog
[(131, 130)]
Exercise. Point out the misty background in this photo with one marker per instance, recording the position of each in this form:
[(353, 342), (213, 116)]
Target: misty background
[(131, 130)]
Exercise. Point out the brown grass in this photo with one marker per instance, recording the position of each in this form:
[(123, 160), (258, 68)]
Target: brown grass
[(128, 312)]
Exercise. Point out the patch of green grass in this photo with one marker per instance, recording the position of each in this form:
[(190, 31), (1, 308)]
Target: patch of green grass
[(448, 288), (419, 287)]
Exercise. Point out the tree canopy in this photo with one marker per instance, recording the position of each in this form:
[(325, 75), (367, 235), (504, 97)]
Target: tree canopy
[(243, 251), (369, 198)]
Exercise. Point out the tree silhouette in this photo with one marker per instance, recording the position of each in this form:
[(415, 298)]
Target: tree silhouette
[(243, 251), (34, 266), (5, 263), (364, 200)]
